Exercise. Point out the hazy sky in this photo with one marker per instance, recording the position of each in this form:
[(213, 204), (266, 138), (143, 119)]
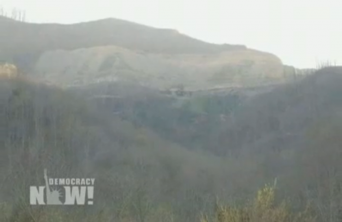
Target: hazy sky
[(300, 32)]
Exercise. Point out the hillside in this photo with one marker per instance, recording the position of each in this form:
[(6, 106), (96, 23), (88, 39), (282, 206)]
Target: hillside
[(194, 71), (113, 49), (43, 37), (291, 133), (168, 161), (21, 40), (46, 127), (226, 121), (171, 127)]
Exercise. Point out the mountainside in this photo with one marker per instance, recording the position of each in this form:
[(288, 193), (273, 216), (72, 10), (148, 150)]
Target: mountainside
[(162, 160), (221, 122), (46, 127), (197, 71), (173, 129), (43, 37), (113, 49), (21, 40)]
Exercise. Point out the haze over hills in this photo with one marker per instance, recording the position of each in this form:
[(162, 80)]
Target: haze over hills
[(21, 38), (105, 32), (164, 155), (117, 50), (167, 161)]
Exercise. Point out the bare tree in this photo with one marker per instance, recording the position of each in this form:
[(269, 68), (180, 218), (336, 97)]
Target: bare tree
[(17, 14), (2, 11), (23, 18), (14, 14)]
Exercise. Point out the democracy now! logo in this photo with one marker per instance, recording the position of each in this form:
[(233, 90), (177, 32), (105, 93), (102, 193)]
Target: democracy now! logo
[(67, 191)]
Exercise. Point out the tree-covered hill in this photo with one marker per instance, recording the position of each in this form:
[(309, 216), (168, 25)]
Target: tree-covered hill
[(161, 158)]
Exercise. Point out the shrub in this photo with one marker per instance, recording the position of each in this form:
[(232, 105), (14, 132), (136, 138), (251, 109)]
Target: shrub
[(263, 209)]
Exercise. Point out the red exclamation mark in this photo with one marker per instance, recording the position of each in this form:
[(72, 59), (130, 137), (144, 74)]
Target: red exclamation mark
[(90, 195)]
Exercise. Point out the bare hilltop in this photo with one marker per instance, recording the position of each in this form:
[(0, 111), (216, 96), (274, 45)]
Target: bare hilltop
[(118, 50)]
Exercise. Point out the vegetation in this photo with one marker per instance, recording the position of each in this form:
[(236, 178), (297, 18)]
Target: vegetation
[(46, 127), (263, 208), (161, 158)]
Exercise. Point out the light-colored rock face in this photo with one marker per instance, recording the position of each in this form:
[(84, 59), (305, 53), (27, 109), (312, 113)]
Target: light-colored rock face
[(8, 70), (194, 71), (118, 50)]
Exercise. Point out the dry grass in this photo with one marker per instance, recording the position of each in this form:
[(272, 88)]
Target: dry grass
[(263, 209)]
